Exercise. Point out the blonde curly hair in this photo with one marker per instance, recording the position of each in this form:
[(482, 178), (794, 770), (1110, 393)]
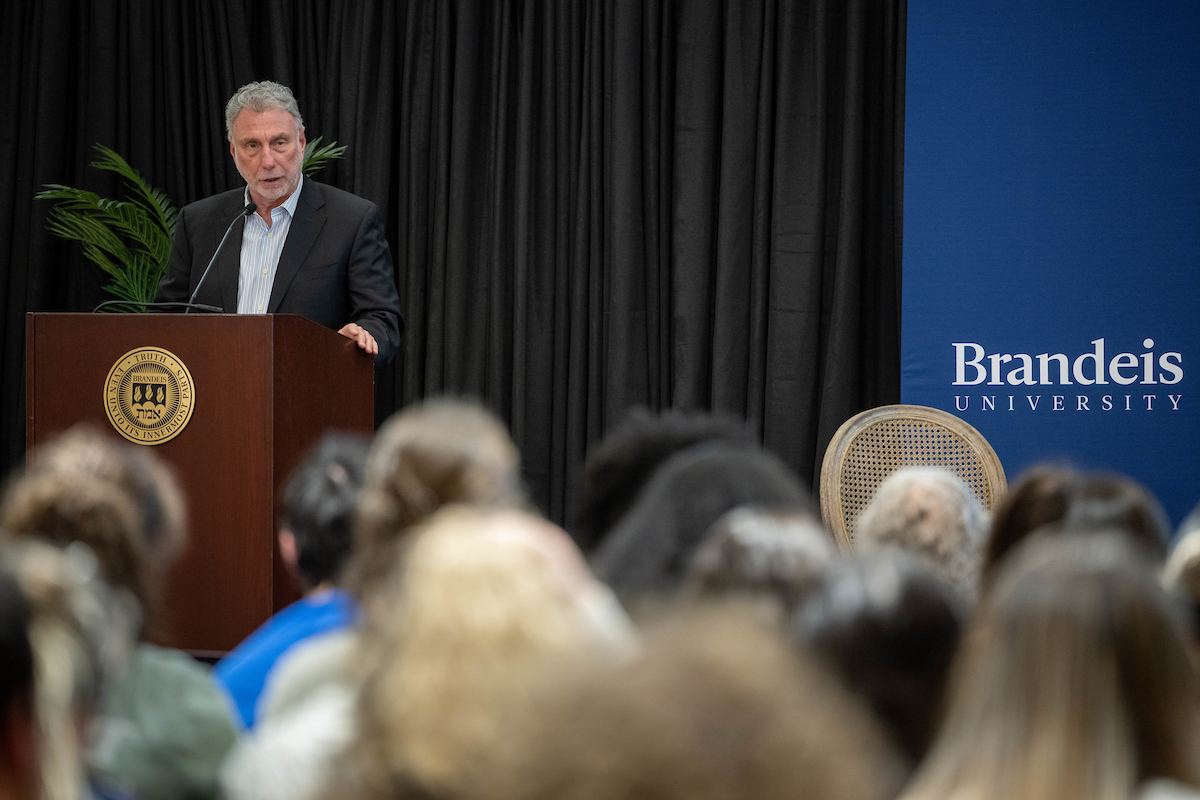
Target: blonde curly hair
[(121, 502), (485, 602), (427, 456)]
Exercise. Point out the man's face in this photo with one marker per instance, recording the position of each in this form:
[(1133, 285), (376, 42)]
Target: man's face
[(268, 151)]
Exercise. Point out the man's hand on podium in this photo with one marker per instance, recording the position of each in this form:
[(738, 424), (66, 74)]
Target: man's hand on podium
[(365, 340)]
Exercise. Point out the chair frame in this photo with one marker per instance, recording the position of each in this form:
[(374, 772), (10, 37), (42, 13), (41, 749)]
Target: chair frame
[(832, 507)]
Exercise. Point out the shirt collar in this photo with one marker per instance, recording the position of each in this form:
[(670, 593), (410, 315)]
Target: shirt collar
[(289, 205)]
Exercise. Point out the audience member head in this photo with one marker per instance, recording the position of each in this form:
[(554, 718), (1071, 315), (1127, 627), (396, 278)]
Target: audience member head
[(1073, 681), (1181, 576), (80, 631), (1041, 496), (1061, 499), (19, 773), (889, 627), (759, 554), (1105, 500), (716, 707), (485, 601), (931, 512), (425, 457), (649, 551), (316, 531), (149, 482), (88, 488), (619, 466), (1190, 523)]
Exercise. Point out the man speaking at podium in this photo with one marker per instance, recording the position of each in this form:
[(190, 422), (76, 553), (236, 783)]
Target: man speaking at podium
[(285, 243)]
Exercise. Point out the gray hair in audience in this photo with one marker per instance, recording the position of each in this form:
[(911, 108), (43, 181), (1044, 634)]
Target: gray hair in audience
[(929, 511), (258, 97), (760, 553)]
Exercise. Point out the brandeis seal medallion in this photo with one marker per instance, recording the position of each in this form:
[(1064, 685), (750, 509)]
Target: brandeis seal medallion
[(149, 395)]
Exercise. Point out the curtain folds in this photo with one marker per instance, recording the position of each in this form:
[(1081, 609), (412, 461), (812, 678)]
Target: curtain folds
[(591, 204)]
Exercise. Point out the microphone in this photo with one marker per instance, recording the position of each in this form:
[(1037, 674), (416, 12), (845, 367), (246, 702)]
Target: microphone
[(168, 304), (247, 211)]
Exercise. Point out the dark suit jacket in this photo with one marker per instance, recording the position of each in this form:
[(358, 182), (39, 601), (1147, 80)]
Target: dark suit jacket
[(335, 267)]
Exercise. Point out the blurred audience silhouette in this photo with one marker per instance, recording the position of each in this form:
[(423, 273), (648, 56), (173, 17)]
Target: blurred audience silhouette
[(451, 644)]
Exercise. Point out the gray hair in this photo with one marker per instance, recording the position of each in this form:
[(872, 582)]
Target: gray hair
[(931, 512), (778, 555), (261, 96)]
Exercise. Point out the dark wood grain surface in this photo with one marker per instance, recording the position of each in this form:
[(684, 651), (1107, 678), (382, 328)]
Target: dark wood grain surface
[(266, 388)]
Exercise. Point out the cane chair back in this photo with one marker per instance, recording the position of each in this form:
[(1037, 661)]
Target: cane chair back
[(872, 445)]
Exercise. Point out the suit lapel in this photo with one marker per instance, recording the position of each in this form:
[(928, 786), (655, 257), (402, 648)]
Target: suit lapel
[(306, 225), (229, 262)]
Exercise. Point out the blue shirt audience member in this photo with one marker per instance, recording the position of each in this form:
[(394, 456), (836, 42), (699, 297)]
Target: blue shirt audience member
[(314, 541), (243, 673)]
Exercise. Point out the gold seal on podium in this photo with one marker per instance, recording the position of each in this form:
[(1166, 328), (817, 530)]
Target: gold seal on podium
[(149, 395)]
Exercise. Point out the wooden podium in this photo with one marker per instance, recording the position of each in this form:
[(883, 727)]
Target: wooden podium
[(264, 388)]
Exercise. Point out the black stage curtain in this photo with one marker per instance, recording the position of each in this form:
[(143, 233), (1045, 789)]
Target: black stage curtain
[(592, 204)]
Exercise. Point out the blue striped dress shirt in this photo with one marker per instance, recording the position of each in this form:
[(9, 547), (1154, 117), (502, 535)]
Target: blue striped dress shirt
[(261, 247)]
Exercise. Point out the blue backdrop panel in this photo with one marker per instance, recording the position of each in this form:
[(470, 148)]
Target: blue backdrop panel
[(1051, 220)]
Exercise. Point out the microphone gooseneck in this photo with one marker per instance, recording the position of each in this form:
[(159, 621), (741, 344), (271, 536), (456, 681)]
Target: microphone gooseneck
[(247, 211), (159, 306)]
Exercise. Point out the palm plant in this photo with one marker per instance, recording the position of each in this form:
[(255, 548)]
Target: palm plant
[(316, 156), (131, 239)]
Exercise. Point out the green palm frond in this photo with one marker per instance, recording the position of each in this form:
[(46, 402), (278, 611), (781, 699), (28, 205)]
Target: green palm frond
[(129, 239), (316, 157), (155, 201), (87, 218)]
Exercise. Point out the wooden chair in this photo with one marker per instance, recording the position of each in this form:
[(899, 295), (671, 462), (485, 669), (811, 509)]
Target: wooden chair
[(872, 445)]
